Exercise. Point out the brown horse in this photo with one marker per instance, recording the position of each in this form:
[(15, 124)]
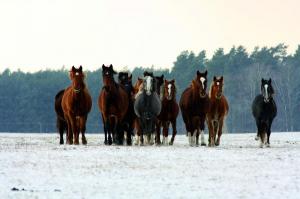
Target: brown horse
[(218, 110), (194, 105), (169, 113), (113, 105), (76, 104)]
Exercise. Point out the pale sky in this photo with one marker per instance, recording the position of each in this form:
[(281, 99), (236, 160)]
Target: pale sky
[(40, 34)]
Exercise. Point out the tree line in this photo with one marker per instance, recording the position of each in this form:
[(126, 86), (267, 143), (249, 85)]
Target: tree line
[(27, 99)]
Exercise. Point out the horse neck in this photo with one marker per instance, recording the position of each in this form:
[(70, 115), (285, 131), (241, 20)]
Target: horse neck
[(110, 83)]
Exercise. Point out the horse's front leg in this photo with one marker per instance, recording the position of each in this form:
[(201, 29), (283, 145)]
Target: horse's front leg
[(83, 129), (69, 131), (202, 126), (108, 128), (165, 132), (105, 130), (74, 129), (157, 137), (220, 127), (174, 128), (211, 140)]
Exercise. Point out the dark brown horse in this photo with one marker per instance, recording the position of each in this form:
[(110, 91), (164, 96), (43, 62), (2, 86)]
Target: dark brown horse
[(169, 112), (61, 123), (125, 80), (76, 104), (194, 105), (113, 105), (218, 110)]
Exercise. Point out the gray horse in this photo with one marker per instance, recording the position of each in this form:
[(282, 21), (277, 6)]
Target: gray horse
[(147, 107)]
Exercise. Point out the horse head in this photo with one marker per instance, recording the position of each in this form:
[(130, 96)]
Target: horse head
[(159, 84), (170, 89), (201, 78), (108, 74), (126, 81), (216, 90), (77, 77), (267, 89), (149, 85)]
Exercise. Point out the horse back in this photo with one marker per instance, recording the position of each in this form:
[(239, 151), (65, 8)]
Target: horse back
[(57, 104)]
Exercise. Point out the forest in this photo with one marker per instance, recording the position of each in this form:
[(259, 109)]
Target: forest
[(27, 99)]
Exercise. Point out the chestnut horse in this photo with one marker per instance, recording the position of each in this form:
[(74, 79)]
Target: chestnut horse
[(194, 105), (76, 104), (169, 112), (61, 123), (218, 110), (137, 90), (113, 105)]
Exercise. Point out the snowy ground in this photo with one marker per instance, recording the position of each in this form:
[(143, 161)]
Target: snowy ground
[(38, 167)]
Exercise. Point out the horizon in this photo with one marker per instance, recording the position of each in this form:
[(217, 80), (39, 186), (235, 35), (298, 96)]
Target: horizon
[(43, 34)]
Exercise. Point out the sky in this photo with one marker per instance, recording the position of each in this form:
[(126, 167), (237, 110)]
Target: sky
[(49, 34)]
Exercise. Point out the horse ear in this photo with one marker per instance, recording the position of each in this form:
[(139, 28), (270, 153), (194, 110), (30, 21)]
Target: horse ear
[(262, 80), (73, 68), (221, 78), (80, 68), (205, 73), (198, 73), (103, 66), (162, 76), (215, 78), (270, 80), (173, 81), (166, 81), (111, 66), (130, 77)]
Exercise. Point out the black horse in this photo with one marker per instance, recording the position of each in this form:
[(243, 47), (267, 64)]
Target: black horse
[(61, 123), (128, 122), (264, 111), (147, 107)]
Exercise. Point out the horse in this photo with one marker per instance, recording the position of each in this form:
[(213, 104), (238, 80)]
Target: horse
[(61, 123), (264, 110), (76, 104), (128, 122), (137, 90), (169, 112), (113, 105), (194, 106), (218, 110), (159, 85), (147, 107)]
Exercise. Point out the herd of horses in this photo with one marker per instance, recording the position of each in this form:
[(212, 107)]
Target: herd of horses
[(144, 109)]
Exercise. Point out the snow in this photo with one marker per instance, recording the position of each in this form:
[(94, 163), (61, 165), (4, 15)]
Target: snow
[(236, 169)]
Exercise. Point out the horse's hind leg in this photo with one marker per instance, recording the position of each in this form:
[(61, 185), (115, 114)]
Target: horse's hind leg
[(174, 128), (211, 141), (268, 134), (165, 132)]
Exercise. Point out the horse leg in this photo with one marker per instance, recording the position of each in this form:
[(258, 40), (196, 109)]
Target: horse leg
[(74, 129), (129, 135), (69, 131), (157, 137), (138, 131), (202, 121), (105, 129), (61, 128), (220, 126), (108, 128), (165, 133), (83, 129), (262, 133), (268, 134), (173, 123), (257, 134), (211, 141), (197, 137)]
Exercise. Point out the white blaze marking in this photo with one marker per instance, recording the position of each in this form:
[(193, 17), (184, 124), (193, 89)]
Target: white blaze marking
[(77, 73), (169, 89), (202, 79), (148, 84), (218, 83), (266, 91)]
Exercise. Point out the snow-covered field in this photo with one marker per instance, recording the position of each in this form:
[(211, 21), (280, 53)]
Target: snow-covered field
[(37, 167)]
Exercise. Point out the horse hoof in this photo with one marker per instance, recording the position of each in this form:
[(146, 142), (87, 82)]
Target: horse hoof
[(217, 144), (256, 138), (268, 145), (84, 142), (203, 144), (170, 143), (61, 142)]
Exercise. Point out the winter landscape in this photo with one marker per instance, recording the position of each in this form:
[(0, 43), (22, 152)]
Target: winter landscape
[(36, 166)]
